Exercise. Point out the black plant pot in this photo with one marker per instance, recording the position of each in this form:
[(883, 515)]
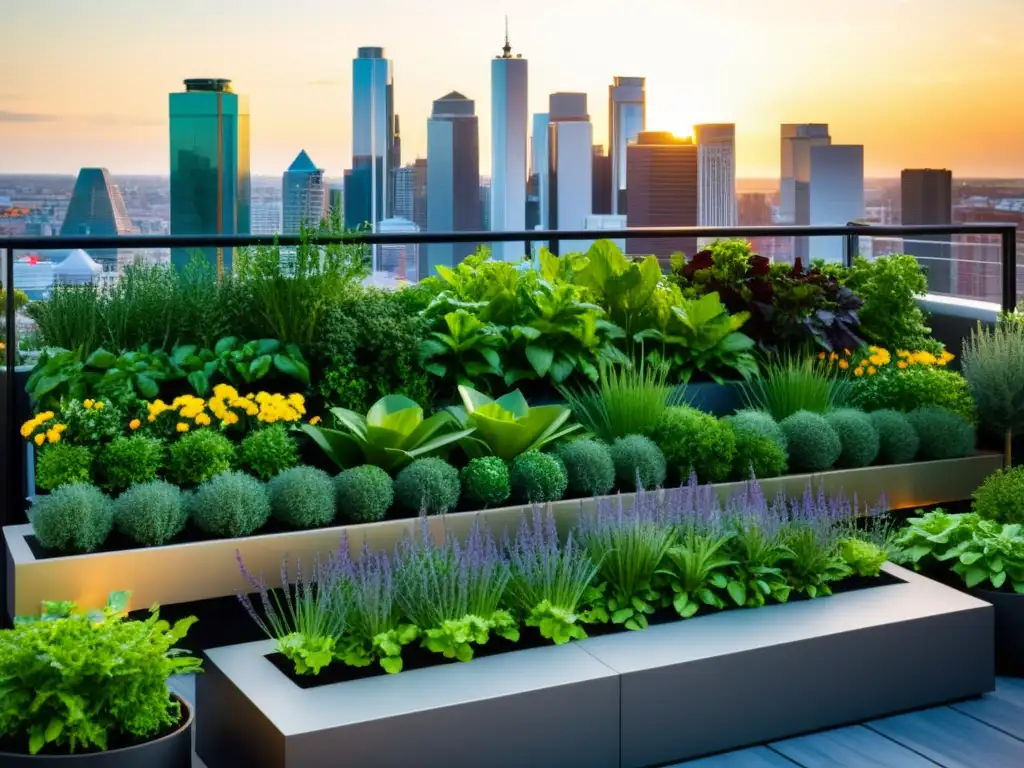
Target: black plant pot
[(1009, 608), (171, 751)]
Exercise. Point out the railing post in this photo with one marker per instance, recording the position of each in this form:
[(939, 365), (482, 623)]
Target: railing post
[(1009, 263), (10, 483), (529, 249), (851, 249)]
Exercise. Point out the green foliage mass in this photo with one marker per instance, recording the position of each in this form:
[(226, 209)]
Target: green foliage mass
[(151, 513), (757, 454), (73, 519), (638, 459), (943, 434), (537, 478), (814, 445), (430, 484), (865, 558), (485, 482), (268, 451), (695, 442), (919, 386), (891, 316), (302, 497), (588, 466), (1001, 497), (993, 364), (199, 456), (230, 505), (857, 436), (898, 442), (364, 494), (126, 461), (63, 464)]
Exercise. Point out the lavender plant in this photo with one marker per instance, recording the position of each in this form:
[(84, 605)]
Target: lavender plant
[(630, 545), (813, 534), (549, 580), (375, 630), (757, 547), (453, 592), (308, 624)]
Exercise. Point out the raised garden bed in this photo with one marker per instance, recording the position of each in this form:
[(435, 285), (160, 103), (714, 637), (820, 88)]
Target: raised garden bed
[(201, 570), (674, 691)]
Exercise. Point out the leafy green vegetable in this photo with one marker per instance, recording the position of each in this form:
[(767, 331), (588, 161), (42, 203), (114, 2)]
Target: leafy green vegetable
[(697, 570)]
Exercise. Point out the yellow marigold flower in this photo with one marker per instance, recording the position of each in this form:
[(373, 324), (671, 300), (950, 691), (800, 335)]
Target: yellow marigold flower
[(847, 352), (901, 364), (858, 371), (99, 405), (40, 439), (231, 418), (316, 419), (843, 364), (865, 363), (134, 424), (181, 426), (87, 403), (225, 392), (53, 435), (872, 370), (28, 427), (202, 419), (832, 357)]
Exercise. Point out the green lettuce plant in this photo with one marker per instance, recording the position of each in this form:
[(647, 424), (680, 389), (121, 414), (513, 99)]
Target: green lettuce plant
[(466, 352), (508, 426), (391, 434)]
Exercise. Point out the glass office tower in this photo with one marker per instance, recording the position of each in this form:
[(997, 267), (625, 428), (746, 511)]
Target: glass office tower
[(210, 185), (373, 140), (627, 117), (97, 208)]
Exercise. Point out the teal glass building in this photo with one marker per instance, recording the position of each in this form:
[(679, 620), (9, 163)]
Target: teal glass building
[(210, 184)]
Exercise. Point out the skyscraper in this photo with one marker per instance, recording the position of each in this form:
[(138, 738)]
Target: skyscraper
[(404, 180), (627, 116), (97, 208), (926, 197), (303, 195), (663, 173), (453, 178), (570, 161), (716, 154), (419, 193), (210, 185), (794, 190), (539, 167), (836, 194), (369, 189), (399, 260), (509, 87), (601, 199)]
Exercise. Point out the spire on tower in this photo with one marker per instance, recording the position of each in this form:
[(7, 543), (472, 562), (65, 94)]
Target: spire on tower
[(507, 48)]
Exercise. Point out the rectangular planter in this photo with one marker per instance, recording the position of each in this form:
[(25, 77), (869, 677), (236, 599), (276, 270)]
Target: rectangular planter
[(738, 678), (554, 706), (182, 573)]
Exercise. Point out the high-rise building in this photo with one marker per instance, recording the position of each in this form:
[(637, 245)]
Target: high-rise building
[(97, 208), (794, 189), (210, 185), (453, 178), (419, 193), (836, 194), (601, 199), (716, 154), (336, 200), (404, 181), (265, 217), (627, 116), (399, 260), (303, 195), (926, 197), (663, 182), (539, 167), (369, 188), (509, 115), (570, 161)]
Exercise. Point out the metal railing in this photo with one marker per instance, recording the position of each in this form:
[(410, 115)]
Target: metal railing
[(851, 234)]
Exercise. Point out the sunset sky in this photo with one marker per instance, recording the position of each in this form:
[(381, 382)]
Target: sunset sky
[(921, 83)]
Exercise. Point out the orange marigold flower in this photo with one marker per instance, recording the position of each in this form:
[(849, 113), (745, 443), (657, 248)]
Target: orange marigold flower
[(134, 424), (821, 355), (844, 364), (316, 419), (901, 364), (181, 426), (858, 371), (40, 438), (872, 370)]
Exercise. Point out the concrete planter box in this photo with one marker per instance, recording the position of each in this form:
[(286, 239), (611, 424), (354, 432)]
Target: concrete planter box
[(554, 706), (738, 678), (182, 573), (1009, 622)]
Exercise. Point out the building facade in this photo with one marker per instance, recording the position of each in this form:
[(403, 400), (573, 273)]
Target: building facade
[(836, 194), (97, 208), (627, 117), (419, 193), (926, 197), (601, 199), (453, 179), (570, 162), (211, 188), (369, 187), (303, 195), (716, 155), (509, 116), (399, 261), (404, 180), (663, 182), (539, 168)]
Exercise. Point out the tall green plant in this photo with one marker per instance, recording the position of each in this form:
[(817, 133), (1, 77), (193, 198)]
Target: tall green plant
[(791, 382), (890, 287), (993, 364), (70, 318)]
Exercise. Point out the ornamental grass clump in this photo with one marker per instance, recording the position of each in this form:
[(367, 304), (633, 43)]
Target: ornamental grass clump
[(790, 383), (453, 592), (126, 461), (550, 581), (151, 513), (857, 436), (993, 364), (63, 464), (943, 434), (428, 484), (231, 505), (268, 451), (898, 442), (639, 463), (485, 482), (814, 445), (588, 467), (302, 497), (306, 620), (364, 494), (629, 545), (537, 478), (73, 519)]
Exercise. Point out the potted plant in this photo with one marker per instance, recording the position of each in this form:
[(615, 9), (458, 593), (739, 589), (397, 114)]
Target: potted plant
[(987, 557), (90, 690)]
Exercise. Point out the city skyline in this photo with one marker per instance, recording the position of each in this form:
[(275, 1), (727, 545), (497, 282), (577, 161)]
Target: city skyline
[(939, 91)]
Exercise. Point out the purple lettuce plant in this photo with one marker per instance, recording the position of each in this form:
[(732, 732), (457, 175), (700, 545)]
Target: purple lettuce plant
[(549, 579), (629, 544), (307, 620), (453, 591), (375, 630)]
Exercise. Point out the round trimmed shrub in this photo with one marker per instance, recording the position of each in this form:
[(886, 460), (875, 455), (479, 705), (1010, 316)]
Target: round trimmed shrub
[(898, 442), (302, 497), (695, 442), (813, 445), (74, 518), (485, 481), (759, 422), (588, 467), (857, 436), (63, 464), (268, 452), (638, 458), (230, 505), (126, 461), (430, 484), (1001, 496), (198, 456), (364, 494), (537, 478), (757, 453), (151, 513), (943, 434)]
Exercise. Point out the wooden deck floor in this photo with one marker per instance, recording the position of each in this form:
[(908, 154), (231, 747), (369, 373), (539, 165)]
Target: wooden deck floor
[(981, 733)]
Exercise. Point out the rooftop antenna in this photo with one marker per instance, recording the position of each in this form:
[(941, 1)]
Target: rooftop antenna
[(507, 48)]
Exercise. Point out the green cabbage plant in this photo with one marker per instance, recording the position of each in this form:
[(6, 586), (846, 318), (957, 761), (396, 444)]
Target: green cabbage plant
[(391, 434), (508, 426)]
